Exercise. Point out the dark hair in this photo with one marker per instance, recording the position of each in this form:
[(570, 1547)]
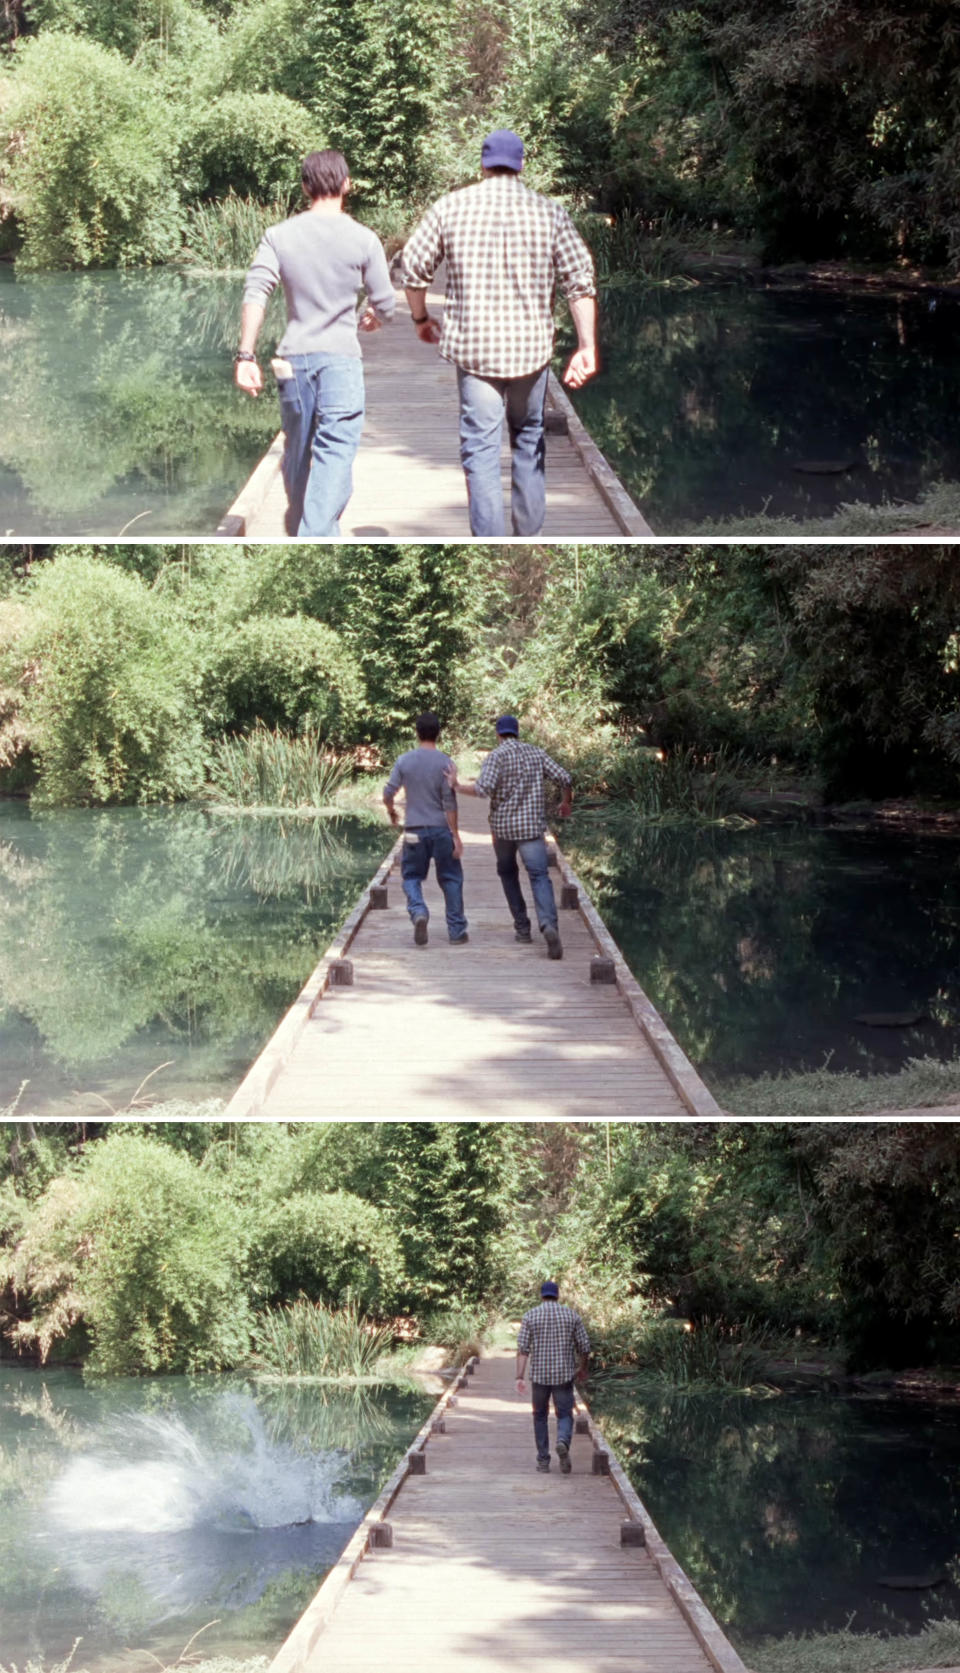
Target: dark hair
[(428, 726), (323, 173)]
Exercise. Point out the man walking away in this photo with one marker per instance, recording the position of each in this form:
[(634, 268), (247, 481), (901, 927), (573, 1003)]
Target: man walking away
[(506, 250), (429, 830), (554, 1340), (322, 258), (513, 776)]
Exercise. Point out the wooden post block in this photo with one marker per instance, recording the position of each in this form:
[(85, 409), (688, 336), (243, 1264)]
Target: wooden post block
[(452, 1401), (603, 970), (438, 1426), (601, 1462), (581, 1425), (378, 897), (341, 973), (470, 1367), (569, 896), (418, 1463), (552, 859), (633, 1533), (381, 1534)]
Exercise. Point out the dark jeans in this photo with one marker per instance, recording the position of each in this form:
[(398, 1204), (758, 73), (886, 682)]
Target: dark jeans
[(534, 856), (562, 1405), (433, 842)]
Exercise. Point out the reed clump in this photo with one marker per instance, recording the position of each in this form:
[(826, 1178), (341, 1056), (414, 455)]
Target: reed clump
[(222, 236), (271, 769), (306, 1339)]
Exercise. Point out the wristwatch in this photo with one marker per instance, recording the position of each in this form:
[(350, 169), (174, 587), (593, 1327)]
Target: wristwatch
[(422, 319), (243, 354)]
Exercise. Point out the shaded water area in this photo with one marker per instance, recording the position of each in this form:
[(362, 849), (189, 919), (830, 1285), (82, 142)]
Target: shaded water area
[(136, 1512), (120, 410), (763, 947), (135, 937), (794, 1514), (717, 403)]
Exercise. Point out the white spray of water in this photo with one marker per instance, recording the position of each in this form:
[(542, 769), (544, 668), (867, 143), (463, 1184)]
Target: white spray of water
[(156, 1476)]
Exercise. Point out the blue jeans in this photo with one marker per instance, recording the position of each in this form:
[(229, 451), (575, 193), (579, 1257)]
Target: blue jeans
[(534, 856), (321, 410), (433, 842), (562, 1405), (482, 404)]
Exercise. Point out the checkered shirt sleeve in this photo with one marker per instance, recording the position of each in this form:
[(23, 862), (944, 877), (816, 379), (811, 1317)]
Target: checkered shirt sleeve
[(554, 1336), (512, 776), (507, 249)]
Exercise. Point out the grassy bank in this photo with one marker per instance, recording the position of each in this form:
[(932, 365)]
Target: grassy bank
[(938, 1645), (938, 508), (823, 1095)]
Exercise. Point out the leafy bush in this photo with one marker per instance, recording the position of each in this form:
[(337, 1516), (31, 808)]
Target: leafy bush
[(282, 670), (89, 150), (328, 1246), (128, 25), (458, 1328), (139, 1247), (110, 708), (249, 144)]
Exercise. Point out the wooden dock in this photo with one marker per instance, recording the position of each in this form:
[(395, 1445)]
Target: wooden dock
[(471, 1561), (408, 483), (386, 1030)]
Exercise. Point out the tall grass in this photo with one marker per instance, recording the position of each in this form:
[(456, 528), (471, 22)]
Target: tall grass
[(937, 1645), (668, 1352), (306, 1339), (272, 769), (224, 235), (630, 246)]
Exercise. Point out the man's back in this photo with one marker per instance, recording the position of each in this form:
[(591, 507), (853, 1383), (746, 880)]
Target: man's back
[(512, 776), (322, 261), (555, 1337), (506, 249), (422, 774)]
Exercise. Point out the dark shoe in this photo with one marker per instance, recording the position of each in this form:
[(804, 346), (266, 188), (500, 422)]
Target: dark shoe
[(554, 946), (522, 935), (420, 931), (543, 1465), (458, 940), (563, 1453)]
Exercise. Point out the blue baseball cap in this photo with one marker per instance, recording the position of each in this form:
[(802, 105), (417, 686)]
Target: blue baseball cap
[(549, 1290), (508, 726), (502, 149)]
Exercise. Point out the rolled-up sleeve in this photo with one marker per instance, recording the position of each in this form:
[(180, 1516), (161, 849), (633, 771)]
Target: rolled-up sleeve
[(572, 260), (263, 274), (423, 252), (552, 770), (376, 282)]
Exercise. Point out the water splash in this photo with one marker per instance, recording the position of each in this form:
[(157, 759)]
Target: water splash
[(155, 1475)]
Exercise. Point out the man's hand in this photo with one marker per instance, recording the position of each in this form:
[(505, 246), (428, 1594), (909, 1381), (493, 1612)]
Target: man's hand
[(521, 1386), (583, 365), (458, 847), (428, 330), (565, 809), (391, 812), (248, 376), (369, 321)]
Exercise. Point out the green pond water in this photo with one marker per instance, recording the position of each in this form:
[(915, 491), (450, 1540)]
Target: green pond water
[(794, 1514), (122, 414), (716, 403), (134, 938), (763, 947), (135, 1513), (138, 937)]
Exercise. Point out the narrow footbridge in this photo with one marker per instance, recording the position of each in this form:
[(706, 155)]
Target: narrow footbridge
[(386, 1030), (471, 1561), (408, 484)]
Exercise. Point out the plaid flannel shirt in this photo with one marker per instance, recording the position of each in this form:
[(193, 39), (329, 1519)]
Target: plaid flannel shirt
[(506, 249), (512, 776), (554, 1336)]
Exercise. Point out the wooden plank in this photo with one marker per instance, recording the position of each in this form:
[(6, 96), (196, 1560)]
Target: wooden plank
[(490, 1030), (408, 482), (494, 1564)]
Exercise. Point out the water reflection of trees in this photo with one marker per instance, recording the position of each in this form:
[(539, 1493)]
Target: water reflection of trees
[(152, 398), (762, 947), (136, 931), (709, 400), (788, 1513)]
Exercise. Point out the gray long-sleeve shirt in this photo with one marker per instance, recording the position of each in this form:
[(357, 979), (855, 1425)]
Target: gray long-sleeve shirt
[(422, 775), (321, 261)]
